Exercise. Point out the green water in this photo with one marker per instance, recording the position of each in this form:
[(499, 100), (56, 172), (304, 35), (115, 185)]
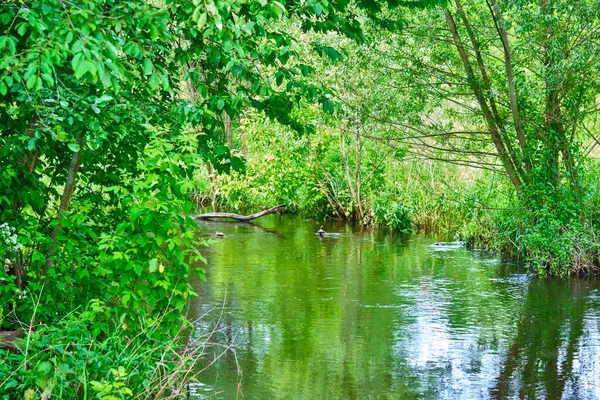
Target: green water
[(377, 315)]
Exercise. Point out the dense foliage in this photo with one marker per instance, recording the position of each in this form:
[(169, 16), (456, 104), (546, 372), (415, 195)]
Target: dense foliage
[(111, 110), (108, 108), (507, 88)]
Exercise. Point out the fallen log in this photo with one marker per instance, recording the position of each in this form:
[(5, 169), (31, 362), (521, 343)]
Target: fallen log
[(239, 217), (10, 339)]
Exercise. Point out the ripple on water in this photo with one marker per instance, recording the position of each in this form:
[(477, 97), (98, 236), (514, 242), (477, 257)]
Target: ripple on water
[(368, 317)]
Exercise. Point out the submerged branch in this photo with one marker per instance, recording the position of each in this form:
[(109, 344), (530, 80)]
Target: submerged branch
[(239, 217)]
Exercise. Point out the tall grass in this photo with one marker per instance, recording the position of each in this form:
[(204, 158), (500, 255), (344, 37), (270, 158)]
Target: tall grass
[(67, 360)]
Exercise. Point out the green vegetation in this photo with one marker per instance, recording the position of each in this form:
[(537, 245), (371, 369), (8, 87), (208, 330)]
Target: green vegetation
[(108, 109), (475, 119), (117, 115)]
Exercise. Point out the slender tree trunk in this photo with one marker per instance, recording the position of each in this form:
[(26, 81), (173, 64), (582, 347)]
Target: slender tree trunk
[(357, 177), (486, 81), (499, 23), (243, 139), (346, 170), (333, 200), (66, 198), (228, 130), (554, 130), (481, 99)]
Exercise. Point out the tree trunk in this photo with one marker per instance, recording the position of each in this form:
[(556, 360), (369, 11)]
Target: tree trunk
[(481, 99), (228, 130), (66, 198), (499, 23)]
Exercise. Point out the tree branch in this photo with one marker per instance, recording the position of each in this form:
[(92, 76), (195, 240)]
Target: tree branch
[(239, 217)]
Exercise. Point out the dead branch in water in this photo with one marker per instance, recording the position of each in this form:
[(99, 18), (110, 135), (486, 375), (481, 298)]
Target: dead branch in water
[(239, 217)]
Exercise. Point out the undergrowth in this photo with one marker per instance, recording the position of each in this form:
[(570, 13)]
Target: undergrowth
[(71, 359)]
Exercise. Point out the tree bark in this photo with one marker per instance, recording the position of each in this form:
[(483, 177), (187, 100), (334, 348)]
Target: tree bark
[(228, 130), (499, 23), (491, 123), (488, 86), (66, 198), (239, 217), (554, 129)]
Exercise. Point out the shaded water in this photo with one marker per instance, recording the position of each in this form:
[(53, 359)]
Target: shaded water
[(374, 315)]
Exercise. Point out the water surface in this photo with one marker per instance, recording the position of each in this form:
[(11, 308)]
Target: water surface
[(376, 315)]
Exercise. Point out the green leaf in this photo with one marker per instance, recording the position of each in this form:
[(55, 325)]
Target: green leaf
[(220, 150), (81, 69), (31, 81), (164, 81), (74, 147), (3, 88), (318, 9), (218, 22), (77, 46), (147, 66), (76, 61), (49, 80), (44, 367), (121, 227), (12, 45), (22, 28), (220, 104), (154, 81), (105, 77), (103, 99), (328, 106), (278, 8), (211, 8), (11, 384), (91, 67), (201, 21), (153, 265)]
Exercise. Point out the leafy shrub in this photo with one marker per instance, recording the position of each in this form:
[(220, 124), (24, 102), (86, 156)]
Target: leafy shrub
[(393, 214), (72, 359)]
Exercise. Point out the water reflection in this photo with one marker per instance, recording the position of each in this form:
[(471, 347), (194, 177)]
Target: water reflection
[(378, 315), (554, 353)]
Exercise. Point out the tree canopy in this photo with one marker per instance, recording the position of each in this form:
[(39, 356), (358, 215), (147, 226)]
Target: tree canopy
[(108, 109)]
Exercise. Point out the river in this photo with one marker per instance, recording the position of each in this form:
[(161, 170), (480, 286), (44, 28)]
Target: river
[(372, 314)]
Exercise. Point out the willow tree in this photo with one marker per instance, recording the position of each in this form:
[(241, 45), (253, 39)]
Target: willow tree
[(510, 86)]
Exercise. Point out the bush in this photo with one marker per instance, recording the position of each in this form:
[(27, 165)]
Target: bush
[(73, 359)]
